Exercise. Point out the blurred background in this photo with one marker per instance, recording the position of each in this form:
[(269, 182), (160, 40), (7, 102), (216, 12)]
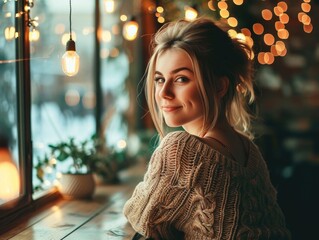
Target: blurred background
[(106, 98)]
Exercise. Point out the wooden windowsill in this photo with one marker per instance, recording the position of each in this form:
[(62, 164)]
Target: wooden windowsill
[(98, 218)]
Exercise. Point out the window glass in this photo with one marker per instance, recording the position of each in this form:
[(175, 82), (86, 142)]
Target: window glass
[(62, 106), (114, 73), (9, 151)]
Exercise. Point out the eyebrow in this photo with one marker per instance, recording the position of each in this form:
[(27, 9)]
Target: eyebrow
[(177, 70)]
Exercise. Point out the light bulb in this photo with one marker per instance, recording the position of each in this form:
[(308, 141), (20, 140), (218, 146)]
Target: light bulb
[(70, 59), (130, 29), (190, 13), (9, 33), (9, 176), (34, 35), (109, 6)]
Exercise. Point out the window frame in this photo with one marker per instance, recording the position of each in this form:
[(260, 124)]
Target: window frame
[(12, 210)]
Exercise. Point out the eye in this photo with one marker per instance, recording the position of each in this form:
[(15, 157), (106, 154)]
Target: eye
[(159, 80), (181, 79)]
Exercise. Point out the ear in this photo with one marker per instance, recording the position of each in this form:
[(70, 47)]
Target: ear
[(222, 87)]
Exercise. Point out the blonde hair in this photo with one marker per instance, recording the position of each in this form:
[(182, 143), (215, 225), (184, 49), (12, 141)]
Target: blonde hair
[(214, 56)]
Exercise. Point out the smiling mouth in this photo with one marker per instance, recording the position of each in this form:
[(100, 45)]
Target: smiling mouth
[(170, 109)]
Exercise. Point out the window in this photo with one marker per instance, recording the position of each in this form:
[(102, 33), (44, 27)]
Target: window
[(39, 104), (61, 105), (8, 102)]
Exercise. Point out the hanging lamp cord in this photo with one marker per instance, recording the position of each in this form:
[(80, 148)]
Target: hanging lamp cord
[(70, 19)]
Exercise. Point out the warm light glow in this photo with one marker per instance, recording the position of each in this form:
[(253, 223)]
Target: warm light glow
[(109, 6), (279, 25), (269, 39), (232, 22), (106, 36), (281, 48), (9, 33), (258, 28), (130, 30), (284, 18), (116, 29), (241, 37), (121, 144), (305, 19), (278, 11), (232, 33), (260, 57), (249, 41), (160, 9), (52, 161), (266, 58), (34, 35), (211, 5), (9, 177), (72, 97), (70, 60), (308, 28), (224, 13), (269, 58), (306, 7), (283, 6), (266, 14), (123, 18), (190, 13), (70, 63), (273, 50), (114, 52), (283, 33), (300, 14), (238, 2), (222, 5), (88, 100), (246, 32), (161, 19)]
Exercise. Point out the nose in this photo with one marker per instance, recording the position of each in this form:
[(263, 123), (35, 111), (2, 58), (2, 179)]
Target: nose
[(166, 91)]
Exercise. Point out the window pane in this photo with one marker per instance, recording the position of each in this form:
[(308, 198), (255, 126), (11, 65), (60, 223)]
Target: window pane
[(114, 74), (62, 106), (9, 161)]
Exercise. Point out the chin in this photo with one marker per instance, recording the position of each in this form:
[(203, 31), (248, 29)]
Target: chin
[(173, 125)]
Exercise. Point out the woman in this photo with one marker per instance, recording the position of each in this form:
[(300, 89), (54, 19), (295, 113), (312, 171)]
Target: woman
[(210, 180)]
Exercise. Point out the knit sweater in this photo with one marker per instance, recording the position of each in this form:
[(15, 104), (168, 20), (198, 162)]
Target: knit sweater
[(193, 191)]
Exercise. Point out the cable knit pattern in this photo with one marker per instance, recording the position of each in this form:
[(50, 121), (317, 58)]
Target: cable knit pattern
[(191, 191)]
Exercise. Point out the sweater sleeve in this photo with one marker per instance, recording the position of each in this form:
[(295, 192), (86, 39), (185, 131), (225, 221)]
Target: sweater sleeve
[(156, 200), (137, 209)]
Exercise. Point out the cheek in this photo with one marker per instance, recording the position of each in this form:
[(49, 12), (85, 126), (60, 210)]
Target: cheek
[(194, 96)]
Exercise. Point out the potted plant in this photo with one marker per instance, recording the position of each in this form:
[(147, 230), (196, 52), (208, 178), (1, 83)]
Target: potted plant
[(77, 180), (90, 160)]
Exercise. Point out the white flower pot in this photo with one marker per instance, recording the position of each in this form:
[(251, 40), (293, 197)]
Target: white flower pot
[(77, 186)]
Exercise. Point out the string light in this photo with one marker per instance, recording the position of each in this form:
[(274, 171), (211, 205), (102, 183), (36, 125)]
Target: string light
[(34, 35), (9, 33), (70, 59), (109, 6), (130, 29), (190, 13)]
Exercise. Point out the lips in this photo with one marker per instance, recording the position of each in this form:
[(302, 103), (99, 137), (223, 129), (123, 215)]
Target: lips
[(170, 108)]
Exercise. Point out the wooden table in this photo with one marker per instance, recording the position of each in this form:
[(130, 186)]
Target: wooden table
[(98, 218)]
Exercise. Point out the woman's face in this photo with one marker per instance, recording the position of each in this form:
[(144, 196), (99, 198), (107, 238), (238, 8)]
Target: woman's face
[(176, 92)]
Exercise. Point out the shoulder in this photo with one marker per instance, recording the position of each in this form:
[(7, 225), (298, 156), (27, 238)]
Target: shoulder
[(183, 145), (183, 142), (175, 137)]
